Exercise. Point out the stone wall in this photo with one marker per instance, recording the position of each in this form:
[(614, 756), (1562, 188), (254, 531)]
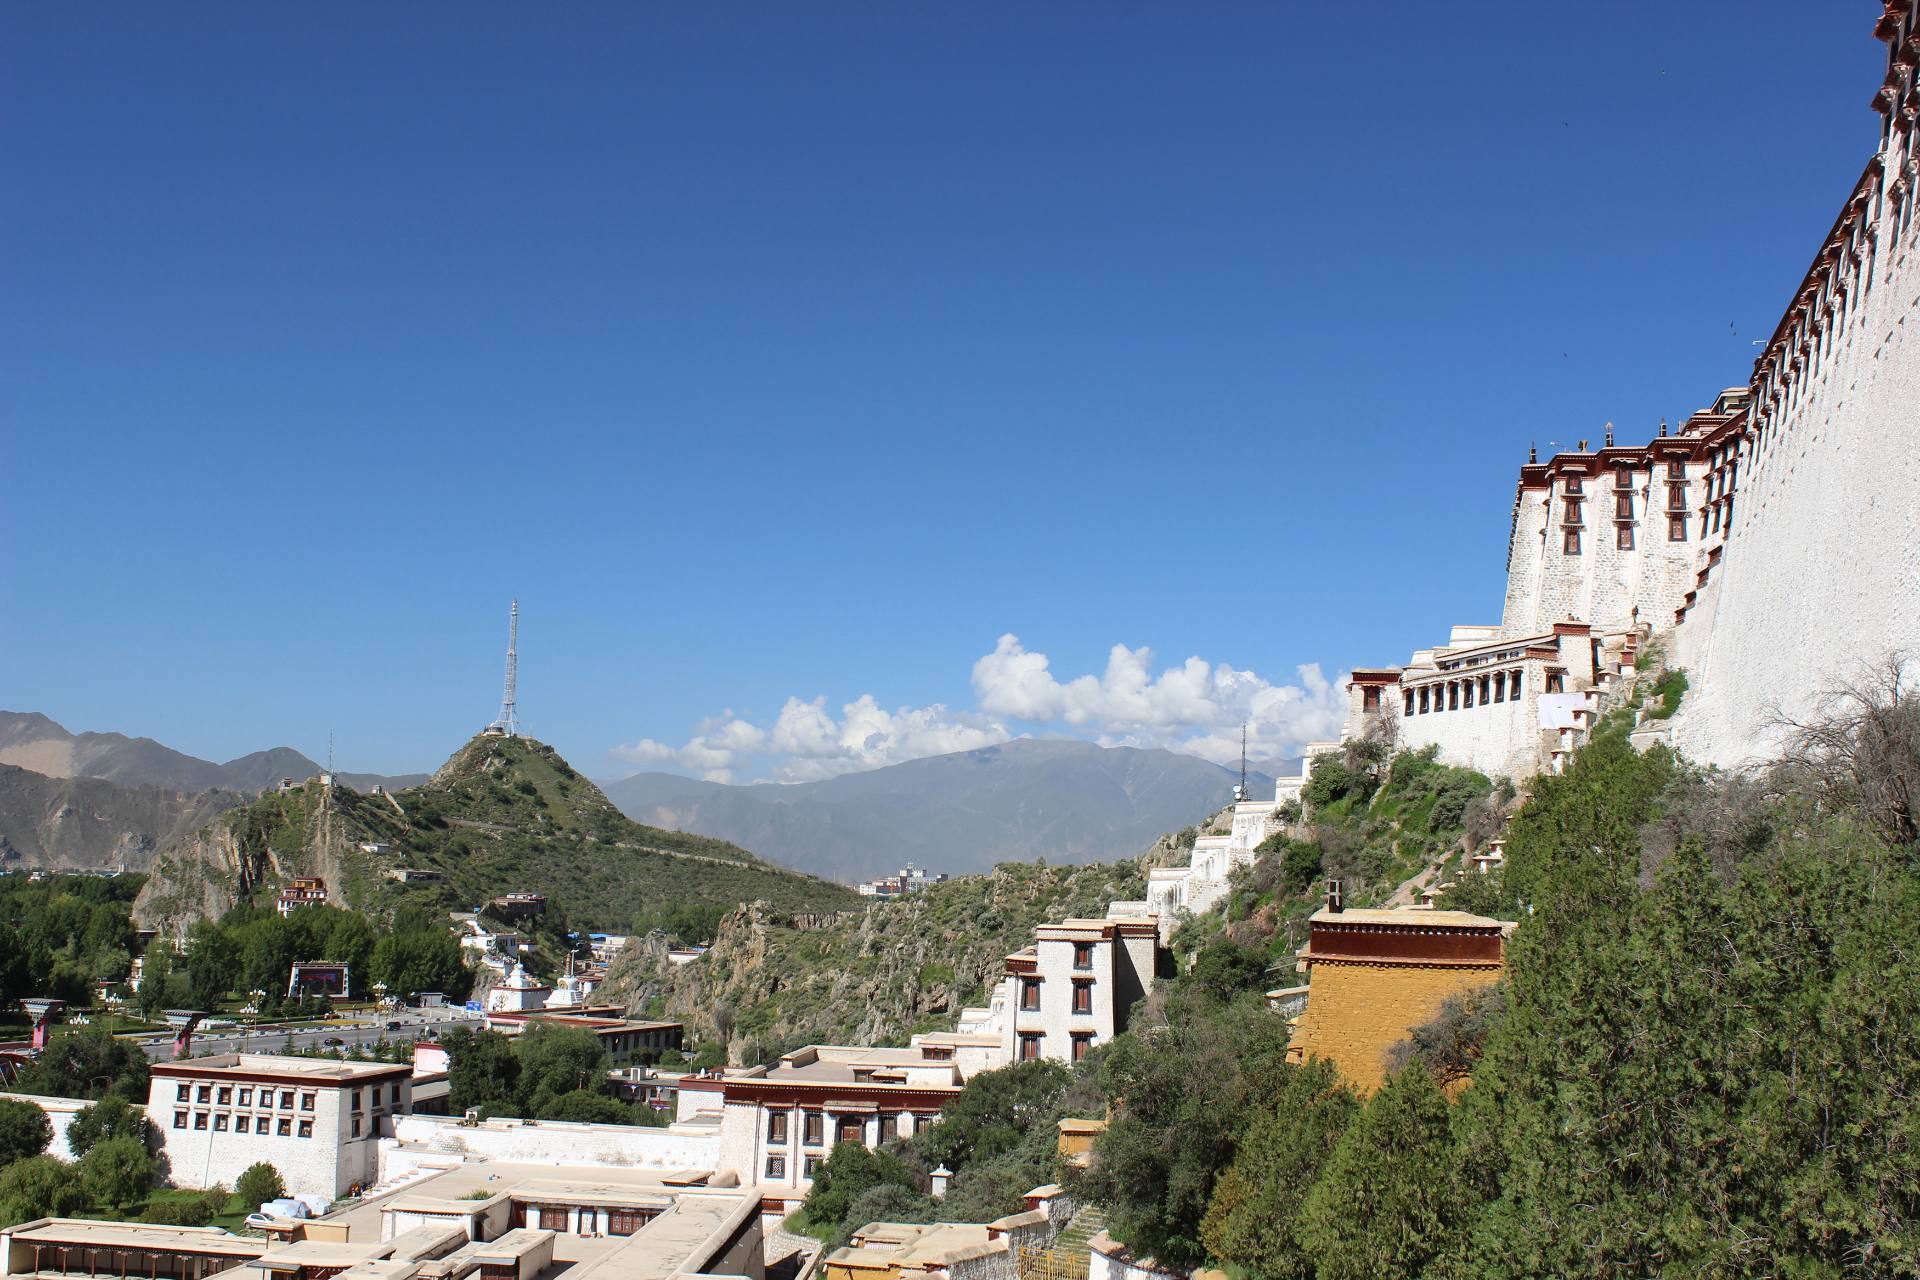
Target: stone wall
[(1821, 574), (1356, 1012), (430, 1139)]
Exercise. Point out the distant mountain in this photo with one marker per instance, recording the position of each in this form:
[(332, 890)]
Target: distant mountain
[(73, 824), (1062, 800), (502, 815), (32, 741)]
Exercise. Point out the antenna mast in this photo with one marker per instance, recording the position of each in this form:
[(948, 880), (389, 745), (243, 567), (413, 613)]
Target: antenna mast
[(1240, 792), (508, 723)]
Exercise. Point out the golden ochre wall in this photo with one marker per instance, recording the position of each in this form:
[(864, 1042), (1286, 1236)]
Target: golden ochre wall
[(1358, 1010)]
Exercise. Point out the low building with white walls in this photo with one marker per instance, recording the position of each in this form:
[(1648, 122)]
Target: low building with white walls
[(1074, 987), (317, 1120), (518, 992), (779, 1122)]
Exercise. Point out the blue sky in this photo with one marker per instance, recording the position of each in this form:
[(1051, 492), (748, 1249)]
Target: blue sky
[(783, 353)]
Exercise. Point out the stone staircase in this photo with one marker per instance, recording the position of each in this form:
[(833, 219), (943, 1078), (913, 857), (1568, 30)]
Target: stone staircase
[(1084, 1226)]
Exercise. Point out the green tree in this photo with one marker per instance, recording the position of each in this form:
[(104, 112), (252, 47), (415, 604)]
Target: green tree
[(583, 1106), (994, 1113), (1182, 1092), (555, 1061), (845, 1175), (1251, 1220), (111, 1117), (39, 1187), (1383, 1205), (25, 1130), (117, 1172), (88, 1063), (259, 1183), (483, 1073)]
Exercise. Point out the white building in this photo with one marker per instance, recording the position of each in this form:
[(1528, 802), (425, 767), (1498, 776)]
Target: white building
[(316, 1120), (518, 992)]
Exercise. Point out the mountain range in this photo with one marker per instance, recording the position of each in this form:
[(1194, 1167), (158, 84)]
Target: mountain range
[(1058, 799), (32, 741)]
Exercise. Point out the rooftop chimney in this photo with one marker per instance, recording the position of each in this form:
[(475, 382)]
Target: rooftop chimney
[(1663, 426), (1609, 435), (1333, 897)]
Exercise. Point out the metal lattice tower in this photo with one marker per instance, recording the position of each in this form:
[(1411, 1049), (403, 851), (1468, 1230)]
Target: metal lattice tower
[(509, 723), (1240, 792)]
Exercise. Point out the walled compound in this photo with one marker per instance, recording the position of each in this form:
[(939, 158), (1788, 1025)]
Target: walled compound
[(1770, 545)]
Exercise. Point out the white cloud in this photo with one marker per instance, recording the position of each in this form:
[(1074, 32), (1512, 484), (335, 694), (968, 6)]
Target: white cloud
[(1196, 707)]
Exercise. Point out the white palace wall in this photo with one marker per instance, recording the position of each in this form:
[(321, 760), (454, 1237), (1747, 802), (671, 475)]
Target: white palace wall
[(1821, 575)]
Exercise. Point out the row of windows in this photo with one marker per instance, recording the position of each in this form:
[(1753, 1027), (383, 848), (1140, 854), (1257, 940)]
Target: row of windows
[(556, 1217), (1082, 995), (1030, 1045), (225, 1096), (777, 1166), (1459, 695), (262, 1126), (813, 1125)]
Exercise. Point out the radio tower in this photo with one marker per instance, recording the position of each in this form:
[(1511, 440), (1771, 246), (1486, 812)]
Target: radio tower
[(508, 724)]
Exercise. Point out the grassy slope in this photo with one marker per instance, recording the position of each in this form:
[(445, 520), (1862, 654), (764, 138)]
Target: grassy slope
[(509, 814)]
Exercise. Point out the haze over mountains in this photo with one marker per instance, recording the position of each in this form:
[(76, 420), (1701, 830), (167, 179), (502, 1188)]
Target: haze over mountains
[(1058, 799), (33, 741)]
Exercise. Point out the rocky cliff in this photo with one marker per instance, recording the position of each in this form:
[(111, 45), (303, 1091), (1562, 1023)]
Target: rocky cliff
[(876, 975), (74, 824)]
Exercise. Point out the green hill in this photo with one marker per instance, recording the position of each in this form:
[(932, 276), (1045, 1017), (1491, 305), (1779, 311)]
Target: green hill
[(502, 815)]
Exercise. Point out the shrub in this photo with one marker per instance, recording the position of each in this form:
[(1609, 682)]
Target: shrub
[(1667, 692), (24, 1130), (260, 1183), (117, 1172)]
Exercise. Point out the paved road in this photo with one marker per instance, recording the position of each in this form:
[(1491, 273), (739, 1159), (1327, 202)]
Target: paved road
[(413, 1025)]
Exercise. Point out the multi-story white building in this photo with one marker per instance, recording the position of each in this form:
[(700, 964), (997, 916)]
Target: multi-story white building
[(317, 1120), (1074, 987), (779, 1122)]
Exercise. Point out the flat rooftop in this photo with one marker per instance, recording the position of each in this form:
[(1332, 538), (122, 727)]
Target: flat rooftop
[(912, 1245), (1419, 917), (848, 1064), (312, 1070), (134, 1235)]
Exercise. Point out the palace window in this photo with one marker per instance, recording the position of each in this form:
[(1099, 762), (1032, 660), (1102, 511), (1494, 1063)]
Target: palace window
[(1676, 528), (284, 1128), (286, 1098), (1574, 513), (1423, 700), (306, 1128), (1623, 537), (226, 1095), (776, 1166), (1082, 1043), (1623, 478), (553, 1217), (241, 1124), (1029, 994), (246, 1097), (812, 1126), (1519, 685), (181, 1093), (199, 1119), (356, 1125), (1486, 683), (1370, 698), (811, 1165), (1466, 697), (1676, 497), (1453, 695), (1570, 544), (1409, 697), (624, 1222), (1623, 506), (1556, 682), (1677, 470), (1499, 686), (179, 1119), (1029, 1046), (220, 1122), (306, 1101), (1575, 485), (776, 1126), (853, 1128), (205, 1094), (1083, 997), (1083, 955)]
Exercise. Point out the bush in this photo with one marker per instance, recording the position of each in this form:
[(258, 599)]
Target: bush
[(39, 1187), (178, 1213), (1333, 779), (117, 1172), (1667, 692), (24, 1130), (260, 1183)]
